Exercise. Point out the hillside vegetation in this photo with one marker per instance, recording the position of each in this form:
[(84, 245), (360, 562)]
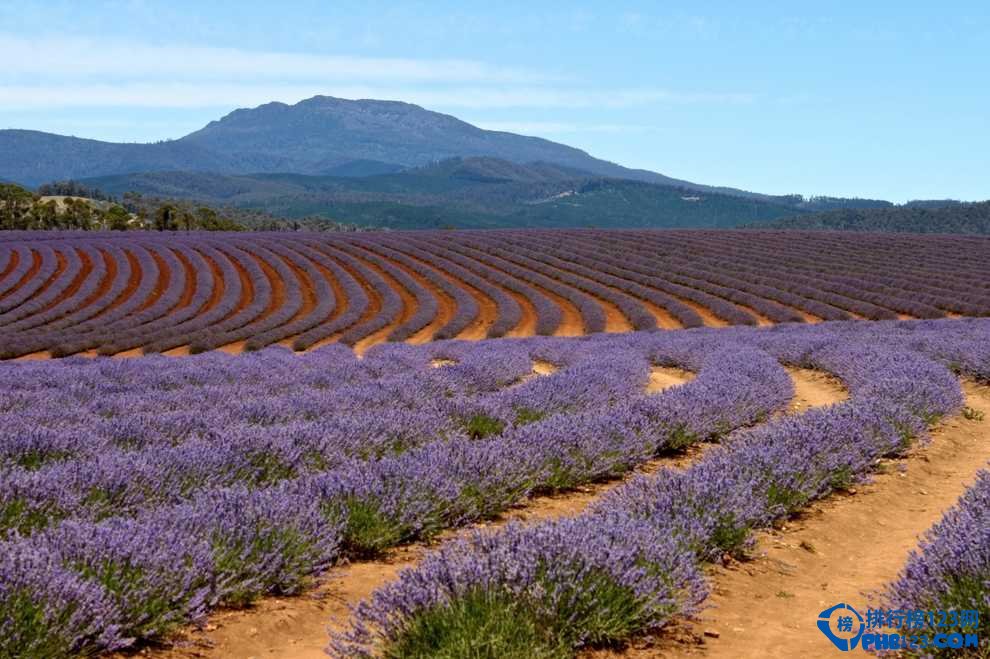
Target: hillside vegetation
[(914, 217), (462, 193), (22, 210)]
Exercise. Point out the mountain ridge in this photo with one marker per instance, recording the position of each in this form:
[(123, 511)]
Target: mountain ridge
[(312, 137)]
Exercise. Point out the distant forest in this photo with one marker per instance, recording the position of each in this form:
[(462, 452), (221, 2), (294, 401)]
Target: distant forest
[(478, 193), (70, 205), (945, 216)]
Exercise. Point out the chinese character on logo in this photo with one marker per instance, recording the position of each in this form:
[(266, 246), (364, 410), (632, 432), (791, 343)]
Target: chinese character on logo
[(875, 618)]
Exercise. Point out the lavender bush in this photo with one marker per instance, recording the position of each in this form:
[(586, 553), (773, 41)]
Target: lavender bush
[(951, 569)]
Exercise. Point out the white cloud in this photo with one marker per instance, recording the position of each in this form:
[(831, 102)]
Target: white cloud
[(47, 72), (75, 57)]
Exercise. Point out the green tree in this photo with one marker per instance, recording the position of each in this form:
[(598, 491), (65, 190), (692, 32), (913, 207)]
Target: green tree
[(46, 215), (16, 205), (78, 214), (207, 218), (166, 218), (117, 219)]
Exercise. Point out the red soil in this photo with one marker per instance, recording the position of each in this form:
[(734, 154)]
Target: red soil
[(445, 304), (340, 304), (665, 320), (31, 273), (189, 290), (278, 287), (408, 308), (75, 284), (528, 318), (110, 264), (12, 262), (219, 286), (164, 276), (133, 281), (374, 299)]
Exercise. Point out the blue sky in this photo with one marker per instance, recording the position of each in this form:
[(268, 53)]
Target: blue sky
[(871, 99)]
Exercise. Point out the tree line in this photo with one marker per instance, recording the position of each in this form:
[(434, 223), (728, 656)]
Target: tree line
[(61, 206)]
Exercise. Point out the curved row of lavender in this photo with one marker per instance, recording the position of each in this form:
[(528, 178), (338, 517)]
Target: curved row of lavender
[(74, 292), (632, 561), (950, 571), (137, 494)]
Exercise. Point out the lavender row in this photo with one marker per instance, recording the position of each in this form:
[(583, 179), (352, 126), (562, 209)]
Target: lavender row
[(153, 316), (100, 329), (465, 306), (23, 293), (727, 273), (14, 275), (634, 311), (425, 307), (351, 308), (509, 314), (548, 314), (266, 437), (440, 486), (765, 306), (84, 304), (41, 300), (389, 307), (175, 310), (592, 315), (597, 270), (950, 571), (643, 273), (321, 312)]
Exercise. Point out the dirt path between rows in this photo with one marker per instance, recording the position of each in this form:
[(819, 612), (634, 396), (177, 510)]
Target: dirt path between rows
[(133, 281), (843, 549), (408, 307), (27, 276), (12, 261), (528, 317), (814, 389)]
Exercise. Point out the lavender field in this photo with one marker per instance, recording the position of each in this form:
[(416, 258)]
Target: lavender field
[(137, 495), (65, 293)]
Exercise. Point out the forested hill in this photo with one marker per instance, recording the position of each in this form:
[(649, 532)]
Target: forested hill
[(914, 217), (463, 193)]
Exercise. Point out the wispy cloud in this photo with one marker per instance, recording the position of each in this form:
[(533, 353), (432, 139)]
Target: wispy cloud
[(75, 57), (48, 73), (559, 128)]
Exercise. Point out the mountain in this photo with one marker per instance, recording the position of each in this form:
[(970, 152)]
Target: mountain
[(481, 192), (318, 136), (931, 216)]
